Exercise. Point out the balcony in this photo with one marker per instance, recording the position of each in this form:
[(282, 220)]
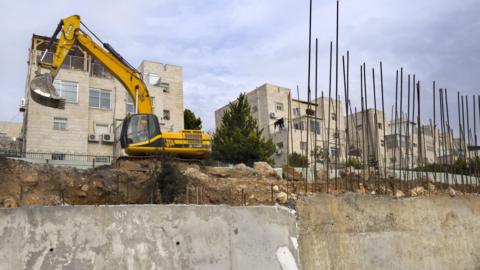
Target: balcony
[(95, 68)]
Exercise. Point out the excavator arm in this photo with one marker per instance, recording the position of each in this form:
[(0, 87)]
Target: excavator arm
[(42, 90)]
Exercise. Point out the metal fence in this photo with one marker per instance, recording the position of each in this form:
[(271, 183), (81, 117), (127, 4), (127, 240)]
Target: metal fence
[(80, 161)]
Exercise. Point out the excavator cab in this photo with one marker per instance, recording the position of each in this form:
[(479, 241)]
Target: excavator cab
[(139, 129)]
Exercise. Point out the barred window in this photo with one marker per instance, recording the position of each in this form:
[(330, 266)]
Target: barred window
[(60, 123)]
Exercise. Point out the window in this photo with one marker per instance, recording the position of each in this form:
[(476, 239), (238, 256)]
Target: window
[(279, 106), (303, 145), (99, 98), (101, 129), (296, 111), (382, 142), (67, 90), (334, 116), (60, 123), (280, 145), (315, 126), (298, 125), (154, 79), (130, 107), (380, 126), (166, 115)]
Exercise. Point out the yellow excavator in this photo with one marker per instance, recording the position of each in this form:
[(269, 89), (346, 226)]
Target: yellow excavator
[(140, 133)]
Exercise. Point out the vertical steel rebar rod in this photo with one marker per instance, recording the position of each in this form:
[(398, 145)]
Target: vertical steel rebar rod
[(460, 128), (329, 117), (401, 126), (449, 139), (419, 124), (377, 167), (413, 126), (367, 121), (308, 91), (434, 131), (474, 124), (395, 128), (384, 127), (363, 124), (315, 150), (442, 128), (347, 143), (407, 134), (337, 137)]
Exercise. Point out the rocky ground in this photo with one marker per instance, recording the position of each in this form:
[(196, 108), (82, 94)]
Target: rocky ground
[(154, 181)]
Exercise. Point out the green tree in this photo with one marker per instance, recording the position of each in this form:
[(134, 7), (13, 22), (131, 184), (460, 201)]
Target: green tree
[(191, 121), (297, 160), (239, 139)]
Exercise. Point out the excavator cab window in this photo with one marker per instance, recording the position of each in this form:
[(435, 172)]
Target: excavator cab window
[(139, 128)]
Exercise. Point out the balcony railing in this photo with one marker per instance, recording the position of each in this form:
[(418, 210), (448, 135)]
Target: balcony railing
[(78, 63)]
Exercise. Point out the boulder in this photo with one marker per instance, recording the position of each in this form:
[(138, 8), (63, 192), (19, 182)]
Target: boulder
[(9, 202), (417, 191), (281, 197), (451, 192), (84, 188), (195, 173), (30, 180), (399, 194), (264, 169), (361, 188)]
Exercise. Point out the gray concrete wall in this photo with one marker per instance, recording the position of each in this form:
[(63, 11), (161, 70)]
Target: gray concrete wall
[(366, 232), (148, 237)]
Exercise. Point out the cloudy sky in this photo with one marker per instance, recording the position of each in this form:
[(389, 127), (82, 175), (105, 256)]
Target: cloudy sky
[(228, 47)]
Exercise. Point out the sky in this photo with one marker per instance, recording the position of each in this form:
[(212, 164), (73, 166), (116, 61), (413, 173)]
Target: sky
[(229, 47)]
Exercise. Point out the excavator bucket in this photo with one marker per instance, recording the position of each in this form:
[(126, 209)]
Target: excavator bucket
[(43, 92)]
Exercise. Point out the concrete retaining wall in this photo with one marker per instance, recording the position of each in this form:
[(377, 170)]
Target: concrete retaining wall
[(148, 237), (369, 232)]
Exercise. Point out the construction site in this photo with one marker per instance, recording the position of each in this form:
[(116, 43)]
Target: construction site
[(376, 171)]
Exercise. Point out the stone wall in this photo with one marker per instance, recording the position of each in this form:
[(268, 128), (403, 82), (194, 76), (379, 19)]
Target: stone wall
[(369, 232)]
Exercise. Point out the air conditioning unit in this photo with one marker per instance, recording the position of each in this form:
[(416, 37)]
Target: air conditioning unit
[(107, 138), (93, 137), (273, 116)]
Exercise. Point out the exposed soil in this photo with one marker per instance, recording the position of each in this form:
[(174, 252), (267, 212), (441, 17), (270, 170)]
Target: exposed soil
[(153, 181)]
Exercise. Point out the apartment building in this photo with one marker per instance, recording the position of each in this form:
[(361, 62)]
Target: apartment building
[(270, 104), (366, 136), (96, 103)]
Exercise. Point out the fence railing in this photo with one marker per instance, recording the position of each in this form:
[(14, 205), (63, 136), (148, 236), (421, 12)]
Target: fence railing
[(81, 161)]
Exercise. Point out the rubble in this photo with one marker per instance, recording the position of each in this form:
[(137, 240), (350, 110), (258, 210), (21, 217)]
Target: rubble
[(451, 192), (281, 197), (399, 194), (264, 169)]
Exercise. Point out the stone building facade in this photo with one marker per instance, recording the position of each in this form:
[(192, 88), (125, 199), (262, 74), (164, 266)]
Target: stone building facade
[(270, 103), (96, 103)]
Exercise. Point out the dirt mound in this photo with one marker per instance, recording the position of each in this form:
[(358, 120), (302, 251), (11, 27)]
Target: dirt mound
[(137, 182)]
